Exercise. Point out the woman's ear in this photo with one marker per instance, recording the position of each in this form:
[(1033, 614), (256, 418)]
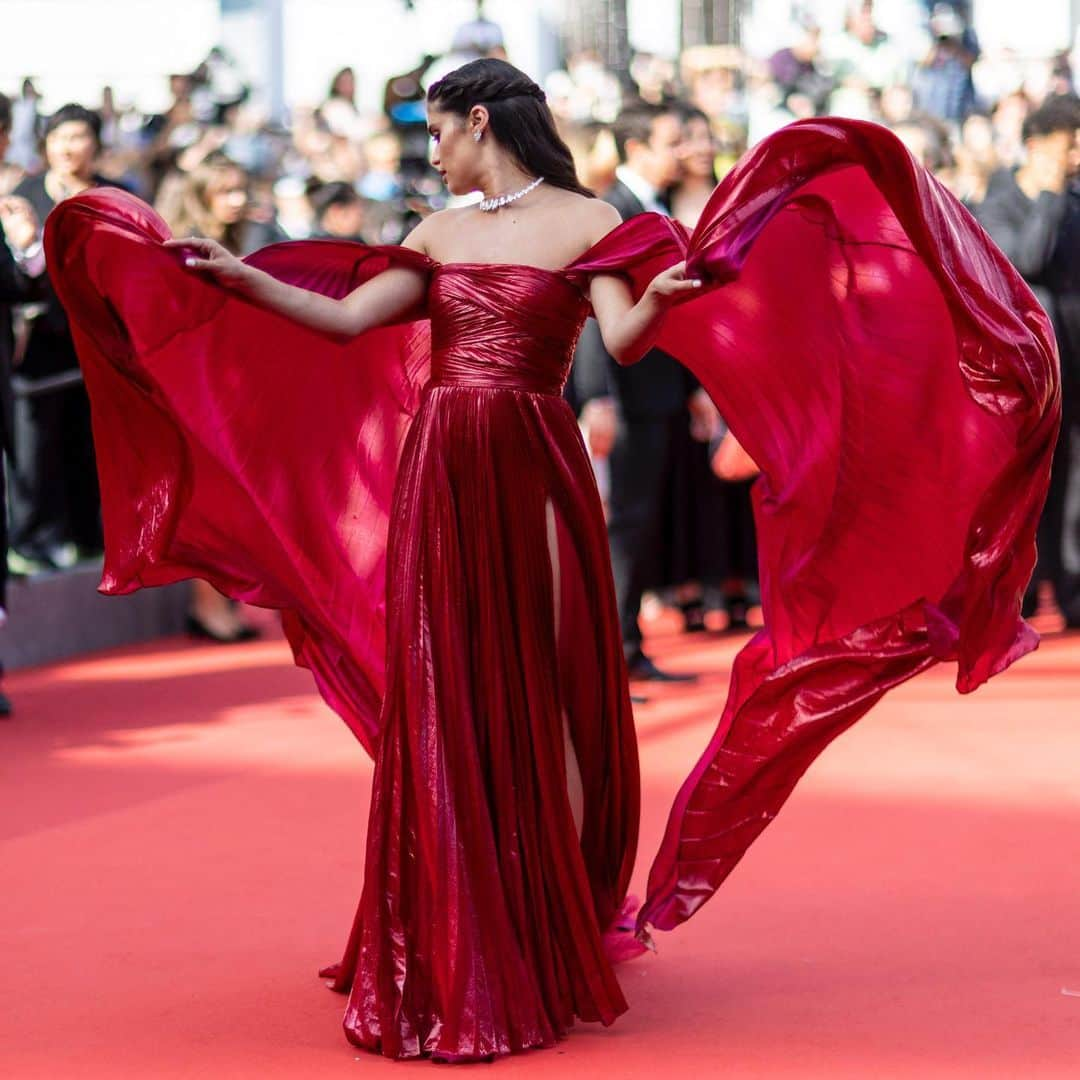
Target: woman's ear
[(478, 121)]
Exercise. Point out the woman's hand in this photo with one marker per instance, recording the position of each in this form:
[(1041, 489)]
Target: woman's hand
[(600, 422), (672, 283), (210, 257), (704, 416), (629, 330), (731, 462)]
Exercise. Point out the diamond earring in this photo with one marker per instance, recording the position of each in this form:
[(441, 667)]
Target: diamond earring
[(476, 135)]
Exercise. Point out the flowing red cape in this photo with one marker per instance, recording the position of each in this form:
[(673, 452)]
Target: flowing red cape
[(868, 344)]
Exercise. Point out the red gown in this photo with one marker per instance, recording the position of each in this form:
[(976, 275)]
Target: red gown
[(418, 503)]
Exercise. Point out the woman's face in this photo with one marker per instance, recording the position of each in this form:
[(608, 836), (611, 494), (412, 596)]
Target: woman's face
[(697, 150), (345, 85), (454, 151), (70, 149), (227, 197)]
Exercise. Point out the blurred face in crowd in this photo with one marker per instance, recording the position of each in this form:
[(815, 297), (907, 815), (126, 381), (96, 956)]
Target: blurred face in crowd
[(896, 104), (809, 44), (454, 151), (862, 24), (711, 89), (977, 136), (344, 219), (180, 86), (1056, 150), (345, 85), (653, 75), (1009, 116), (657, 160), (383, 153), (227, 196), (5, 140), (697, 151), (70, 150)]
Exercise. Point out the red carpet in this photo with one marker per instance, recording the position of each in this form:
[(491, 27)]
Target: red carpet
[(182, 829)]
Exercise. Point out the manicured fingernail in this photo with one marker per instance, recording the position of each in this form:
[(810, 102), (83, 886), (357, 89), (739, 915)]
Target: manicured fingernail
[(189, 262), (697, 283)]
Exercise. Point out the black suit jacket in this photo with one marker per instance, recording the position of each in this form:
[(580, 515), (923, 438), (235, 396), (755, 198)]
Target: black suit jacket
[(656, 386), (50, 349), (15, 288), (1041, 238)]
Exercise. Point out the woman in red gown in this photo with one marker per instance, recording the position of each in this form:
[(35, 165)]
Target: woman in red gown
[(373, 440)]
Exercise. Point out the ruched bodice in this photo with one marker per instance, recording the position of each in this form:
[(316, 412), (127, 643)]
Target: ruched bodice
[(507, 327)]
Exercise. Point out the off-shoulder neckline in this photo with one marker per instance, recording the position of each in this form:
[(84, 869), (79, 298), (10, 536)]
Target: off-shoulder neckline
[(635, 221), (461, 264)]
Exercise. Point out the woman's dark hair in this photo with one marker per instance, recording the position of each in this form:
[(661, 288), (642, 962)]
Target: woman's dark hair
[(335, 82), (5, 113), (518, 115), (74, 114)]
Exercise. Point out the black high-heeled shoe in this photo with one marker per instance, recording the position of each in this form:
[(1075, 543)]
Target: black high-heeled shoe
[(693, 613), (198, 629)]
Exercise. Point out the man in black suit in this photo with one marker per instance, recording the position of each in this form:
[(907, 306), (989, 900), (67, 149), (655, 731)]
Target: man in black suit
[(21, 279), (1033, 215), (630, 413), (55, 505)]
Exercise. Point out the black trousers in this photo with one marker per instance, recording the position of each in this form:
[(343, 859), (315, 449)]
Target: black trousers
[(1055, 527), (54, 491), (640, 466), (3, 534)]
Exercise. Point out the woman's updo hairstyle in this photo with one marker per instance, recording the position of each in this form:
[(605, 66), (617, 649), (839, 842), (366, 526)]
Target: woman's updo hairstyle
[(519, 117)]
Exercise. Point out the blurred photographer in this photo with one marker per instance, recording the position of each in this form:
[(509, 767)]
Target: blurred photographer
[(55, 506), (1033, 215), (21, 280)]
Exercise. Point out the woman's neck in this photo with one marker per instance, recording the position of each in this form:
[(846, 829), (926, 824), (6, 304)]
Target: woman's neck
[(689, 199), (503, 177), (692, 184)]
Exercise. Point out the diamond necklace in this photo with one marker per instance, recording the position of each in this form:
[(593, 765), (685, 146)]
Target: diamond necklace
[(503, 200)]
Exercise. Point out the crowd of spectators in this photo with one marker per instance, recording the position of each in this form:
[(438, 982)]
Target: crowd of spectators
[(999, 131)]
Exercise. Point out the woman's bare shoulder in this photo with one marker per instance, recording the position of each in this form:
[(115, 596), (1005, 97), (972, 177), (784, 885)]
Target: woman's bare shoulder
[(426, 236), (598, 218)]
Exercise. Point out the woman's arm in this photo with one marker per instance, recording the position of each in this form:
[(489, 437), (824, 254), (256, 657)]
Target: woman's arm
[(375, 303), (628, 329)]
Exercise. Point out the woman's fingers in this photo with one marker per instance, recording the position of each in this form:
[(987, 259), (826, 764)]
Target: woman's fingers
[(678, 281), (196, 243), (682, 285), (194, 247)]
